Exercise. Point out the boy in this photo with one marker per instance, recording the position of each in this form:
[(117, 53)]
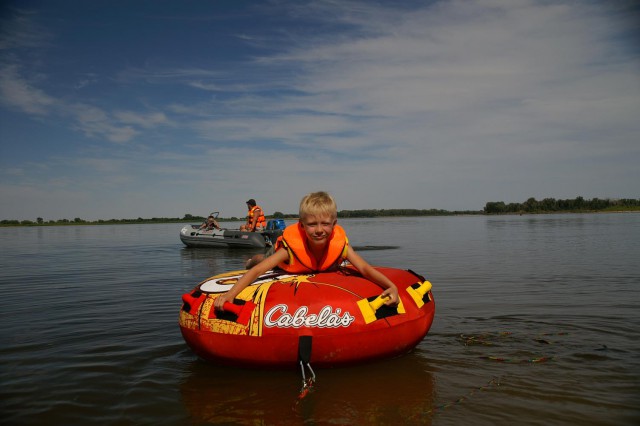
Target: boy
[(316, 243)]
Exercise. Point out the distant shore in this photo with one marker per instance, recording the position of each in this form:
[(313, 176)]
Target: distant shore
[(492, 208), (352, 214)]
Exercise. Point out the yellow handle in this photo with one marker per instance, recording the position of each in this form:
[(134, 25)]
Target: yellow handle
[(377, 302), (424, 288), (417, 294), (369, 309)]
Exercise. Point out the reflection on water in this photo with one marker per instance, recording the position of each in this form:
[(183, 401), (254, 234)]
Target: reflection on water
[(210, 261), (398, 391)]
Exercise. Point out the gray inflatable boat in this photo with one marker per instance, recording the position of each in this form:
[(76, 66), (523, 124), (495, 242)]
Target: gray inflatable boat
[(193, 236)]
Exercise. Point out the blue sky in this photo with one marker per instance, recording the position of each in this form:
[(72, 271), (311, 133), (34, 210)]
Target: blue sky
[(121, 109)]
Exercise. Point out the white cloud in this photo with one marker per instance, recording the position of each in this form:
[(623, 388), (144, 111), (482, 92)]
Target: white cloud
[(147, 121), (19, 93), (21, 31), (95, 122)]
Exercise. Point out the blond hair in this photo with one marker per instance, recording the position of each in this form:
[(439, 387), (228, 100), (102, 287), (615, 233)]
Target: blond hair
[(318, 203)]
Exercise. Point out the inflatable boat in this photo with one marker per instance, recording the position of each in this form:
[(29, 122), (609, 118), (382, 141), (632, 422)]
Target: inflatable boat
[(328, 319), (193, 236)]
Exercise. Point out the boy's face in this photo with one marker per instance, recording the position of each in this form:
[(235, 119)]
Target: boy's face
[(318, 228)]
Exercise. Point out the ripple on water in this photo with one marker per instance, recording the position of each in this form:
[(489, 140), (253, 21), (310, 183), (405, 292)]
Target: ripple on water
[(536, 323)]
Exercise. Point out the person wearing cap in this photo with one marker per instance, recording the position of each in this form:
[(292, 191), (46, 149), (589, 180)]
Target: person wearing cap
[(255, 218)]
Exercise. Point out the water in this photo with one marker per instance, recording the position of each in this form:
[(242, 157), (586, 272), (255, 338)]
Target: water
[(536, 324)]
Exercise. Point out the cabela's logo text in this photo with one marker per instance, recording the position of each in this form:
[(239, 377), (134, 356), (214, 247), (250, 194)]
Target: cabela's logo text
[(326, 318)]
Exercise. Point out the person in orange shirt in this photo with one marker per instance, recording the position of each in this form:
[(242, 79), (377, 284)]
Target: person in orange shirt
[(316, 243), (255, 218)]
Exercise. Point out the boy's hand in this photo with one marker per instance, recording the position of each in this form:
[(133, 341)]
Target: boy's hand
[(391, 294), (220, 301)]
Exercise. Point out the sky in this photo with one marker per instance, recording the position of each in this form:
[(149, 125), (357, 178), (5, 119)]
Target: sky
[(124, 109)]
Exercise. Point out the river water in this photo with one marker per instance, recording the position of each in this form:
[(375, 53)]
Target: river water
[(537, 323)]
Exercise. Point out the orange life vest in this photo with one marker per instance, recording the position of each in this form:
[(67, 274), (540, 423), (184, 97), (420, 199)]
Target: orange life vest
[(261, 222), (294, 240)]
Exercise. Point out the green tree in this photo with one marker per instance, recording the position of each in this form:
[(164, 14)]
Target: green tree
[(493, 207), (531, 205)]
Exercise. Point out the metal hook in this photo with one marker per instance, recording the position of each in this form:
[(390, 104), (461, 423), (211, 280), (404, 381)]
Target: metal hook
[(306, 384)]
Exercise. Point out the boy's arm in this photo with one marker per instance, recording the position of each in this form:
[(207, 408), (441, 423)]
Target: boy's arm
[(250, 276), (372, 274)]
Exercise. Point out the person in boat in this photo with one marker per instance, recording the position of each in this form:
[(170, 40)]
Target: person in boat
[(315, 244), (210, 224), (255, 218)]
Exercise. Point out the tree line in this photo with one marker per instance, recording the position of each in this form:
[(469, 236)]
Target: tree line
[(547, 205), (401, 212), (385, 213), (551, 205), (78, 221)]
